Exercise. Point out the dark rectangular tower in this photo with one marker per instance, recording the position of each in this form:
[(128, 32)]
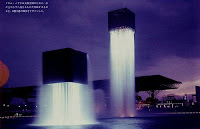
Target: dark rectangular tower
[(121, 18), (64, 65), (198, 95)]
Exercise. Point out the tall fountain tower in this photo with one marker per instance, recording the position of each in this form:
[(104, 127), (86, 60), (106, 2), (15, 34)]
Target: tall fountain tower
[(121, 25)]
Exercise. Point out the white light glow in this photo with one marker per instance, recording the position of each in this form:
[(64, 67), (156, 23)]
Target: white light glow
[(66, 103), (122, 72)]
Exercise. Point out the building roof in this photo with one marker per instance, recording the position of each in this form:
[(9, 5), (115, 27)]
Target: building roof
[(155, 82), (144, 83)]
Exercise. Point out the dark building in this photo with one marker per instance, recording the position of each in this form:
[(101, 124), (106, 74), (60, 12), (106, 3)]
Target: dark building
[(150, 84), (121, 18), (64, 65), (198, 95)]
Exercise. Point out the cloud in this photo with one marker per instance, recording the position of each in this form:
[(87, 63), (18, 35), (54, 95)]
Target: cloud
[(185, 70), (185, 88), (178, 68)]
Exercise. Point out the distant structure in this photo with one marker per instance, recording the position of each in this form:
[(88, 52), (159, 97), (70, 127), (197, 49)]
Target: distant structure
[(198, 95), (155, 84), (151, 84)]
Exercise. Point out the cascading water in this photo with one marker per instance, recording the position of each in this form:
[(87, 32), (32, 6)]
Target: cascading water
[(65, 103), (122, 72)]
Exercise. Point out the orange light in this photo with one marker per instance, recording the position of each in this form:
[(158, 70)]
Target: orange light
[(131, 115), (4, 74)]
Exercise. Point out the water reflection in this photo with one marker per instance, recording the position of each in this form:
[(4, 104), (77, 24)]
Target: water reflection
[(160, 122), (99, 126)]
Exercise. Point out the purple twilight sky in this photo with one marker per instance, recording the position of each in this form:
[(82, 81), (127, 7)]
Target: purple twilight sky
[(166, 40)]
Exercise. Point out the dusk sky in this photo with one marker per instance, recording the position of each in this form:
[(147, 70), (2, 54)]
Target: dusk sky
[(167, 38)]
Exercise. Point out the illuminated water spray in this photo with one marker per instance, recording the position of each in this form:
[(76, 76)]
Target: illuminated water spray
[(65, 98), (122, 54), (65, 103)]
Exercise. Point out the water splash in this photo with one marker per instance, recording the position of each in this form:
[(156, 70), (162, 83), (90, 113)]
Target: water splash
[(65, 103), (122, 72)]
